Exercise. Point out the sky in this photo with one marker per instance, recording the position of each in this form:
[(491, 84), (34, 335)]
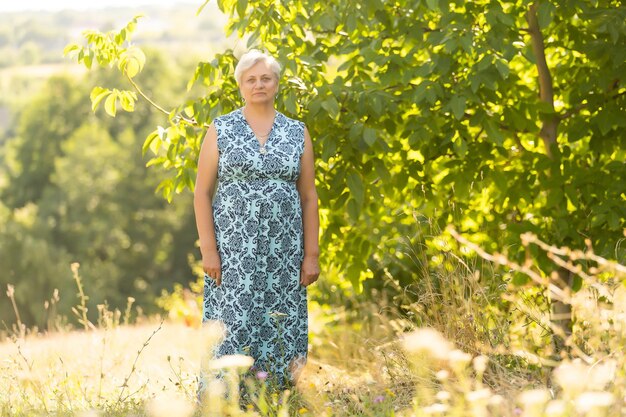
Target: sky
[(56, 5)]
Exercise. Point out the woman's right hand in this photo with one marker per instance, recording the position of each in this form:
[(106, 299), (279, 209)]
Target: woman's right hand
[(212, 266)]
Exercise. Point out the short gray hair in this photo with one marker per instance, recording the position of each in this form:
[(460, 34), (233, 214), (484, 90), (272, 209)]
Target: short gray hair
[(250, 58)]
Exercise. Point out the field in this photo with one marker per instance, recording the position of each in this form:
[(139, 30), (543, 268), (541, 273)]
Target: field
[(366, 360), (119, 369)]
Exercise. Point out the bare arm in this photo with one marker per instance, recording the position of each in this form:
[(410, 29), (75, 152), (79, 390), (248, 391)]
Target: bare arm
[(310, 214), (206, 180)]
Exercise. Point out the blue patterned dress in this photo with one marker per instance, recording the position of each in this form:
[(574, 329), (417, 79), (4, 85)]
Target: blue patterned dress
[(258, 227)]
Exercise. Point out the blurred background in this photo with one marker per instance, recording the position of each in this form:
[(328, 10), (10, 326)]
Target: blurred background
[(74, 187)]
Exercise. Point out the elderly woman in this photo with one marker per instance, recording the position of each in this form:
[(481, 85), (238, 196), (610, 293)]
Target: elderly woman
[(257, 218)]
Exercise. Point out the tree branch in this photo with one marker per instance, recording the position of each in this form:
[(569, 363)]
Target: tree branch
[(546, 93), (142, 94), (191, 122), (577, 109)]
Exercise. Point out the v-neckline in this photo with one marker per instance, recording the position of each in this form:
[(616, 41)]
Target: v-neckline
[(271, 133)]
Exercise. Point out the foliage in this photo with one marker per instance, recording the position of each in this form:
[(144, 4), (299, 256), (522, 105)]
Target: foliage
[(29, 258), (77, 190), (439, 108), (45, 122)]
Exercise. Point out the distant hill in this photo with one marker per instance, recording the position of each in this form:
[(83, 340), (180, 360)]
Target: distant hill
[(30, 38), (31, 43)]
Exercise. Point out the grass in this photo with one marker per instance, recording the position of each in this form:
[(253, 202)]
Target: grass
[(118, 370), (466, 357)]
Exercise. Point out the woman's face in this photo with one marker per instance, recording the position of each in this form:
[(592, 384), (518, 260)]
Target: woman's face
[(259, 84)]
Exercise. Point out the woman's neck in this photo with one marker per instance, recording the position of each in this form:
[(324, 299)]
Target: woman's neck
[(259, 111)]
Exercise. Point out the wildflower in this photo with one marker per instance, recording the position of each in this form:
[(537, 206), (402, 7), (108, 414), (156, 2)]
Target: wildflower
[(442, 375), (169, 406), (556, 408), (478, 395), (379, 399), (619, 299), (277, 315), (241, 362), (435, 409), (534, 397), (480, 364), (601, 374), (459, 359), (572, 376), (216, 387), (390, 392), (496, 400), (89, 413), (427, 341), (443, 396), (262, 375), (302, 410), (590, 400)]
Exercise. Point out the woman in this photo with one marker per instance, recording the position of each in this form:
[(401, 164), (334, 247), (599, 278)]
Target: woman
[(257, 216)]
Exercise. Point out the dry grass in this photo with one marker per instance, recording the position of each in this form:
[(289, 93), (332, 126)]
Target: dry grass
[(82, 370), (364, 362)]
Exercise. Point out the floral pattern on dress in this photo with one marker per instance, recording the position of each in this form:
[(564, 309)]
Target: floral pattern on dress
[(258, 228)]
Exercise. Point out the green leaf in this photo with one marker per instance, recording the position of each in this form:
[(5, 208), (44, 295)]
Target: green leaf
[(493, 133), (290, 102), (353, 210), (354, 275), (109, 104), (502, 67), (254, 37), (544, 13), (202, 7), (381, 169), (242, 5), (132, 61), (432, 4), (70, 48), (555, 198), (127, 100), (460, 146), (88, 58), (331, 106), (369, 135), (147, 143), (355, 184), (457, 103), (97, 95), (520, 279)]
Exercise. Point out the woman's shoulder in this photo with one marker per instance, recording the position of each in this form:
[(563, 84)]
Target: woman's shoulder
[(225, 118), (290, 122)]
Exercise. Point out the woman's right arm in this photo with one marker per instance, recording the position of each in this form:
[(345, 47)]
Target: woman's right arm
[(206, 180)]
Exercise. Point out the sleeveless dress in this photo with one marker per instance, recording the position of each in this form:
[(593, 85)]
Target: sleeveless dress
[(258, 227)]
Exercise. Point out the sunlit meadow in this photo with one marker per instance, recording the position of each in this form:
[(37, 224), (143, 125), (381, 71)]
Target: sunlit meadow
[(380, 364)]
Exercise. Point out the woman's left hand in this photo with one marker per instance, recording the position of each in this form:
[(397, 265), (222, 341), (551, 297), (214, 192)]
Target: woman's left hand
[(310, 270)]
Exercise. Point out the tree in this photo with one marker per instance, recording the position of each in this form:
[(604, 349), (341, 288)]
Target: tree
[(500, 118), (48, 120), (33, 264), (76, 189)]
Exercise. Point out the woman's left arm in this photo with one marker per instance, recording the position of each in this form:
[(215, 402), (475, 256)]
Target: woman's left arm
[(310, 269)]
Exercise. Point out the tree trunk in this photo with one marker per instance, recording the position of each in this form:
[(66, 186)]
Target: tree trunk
[(561, 312)]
